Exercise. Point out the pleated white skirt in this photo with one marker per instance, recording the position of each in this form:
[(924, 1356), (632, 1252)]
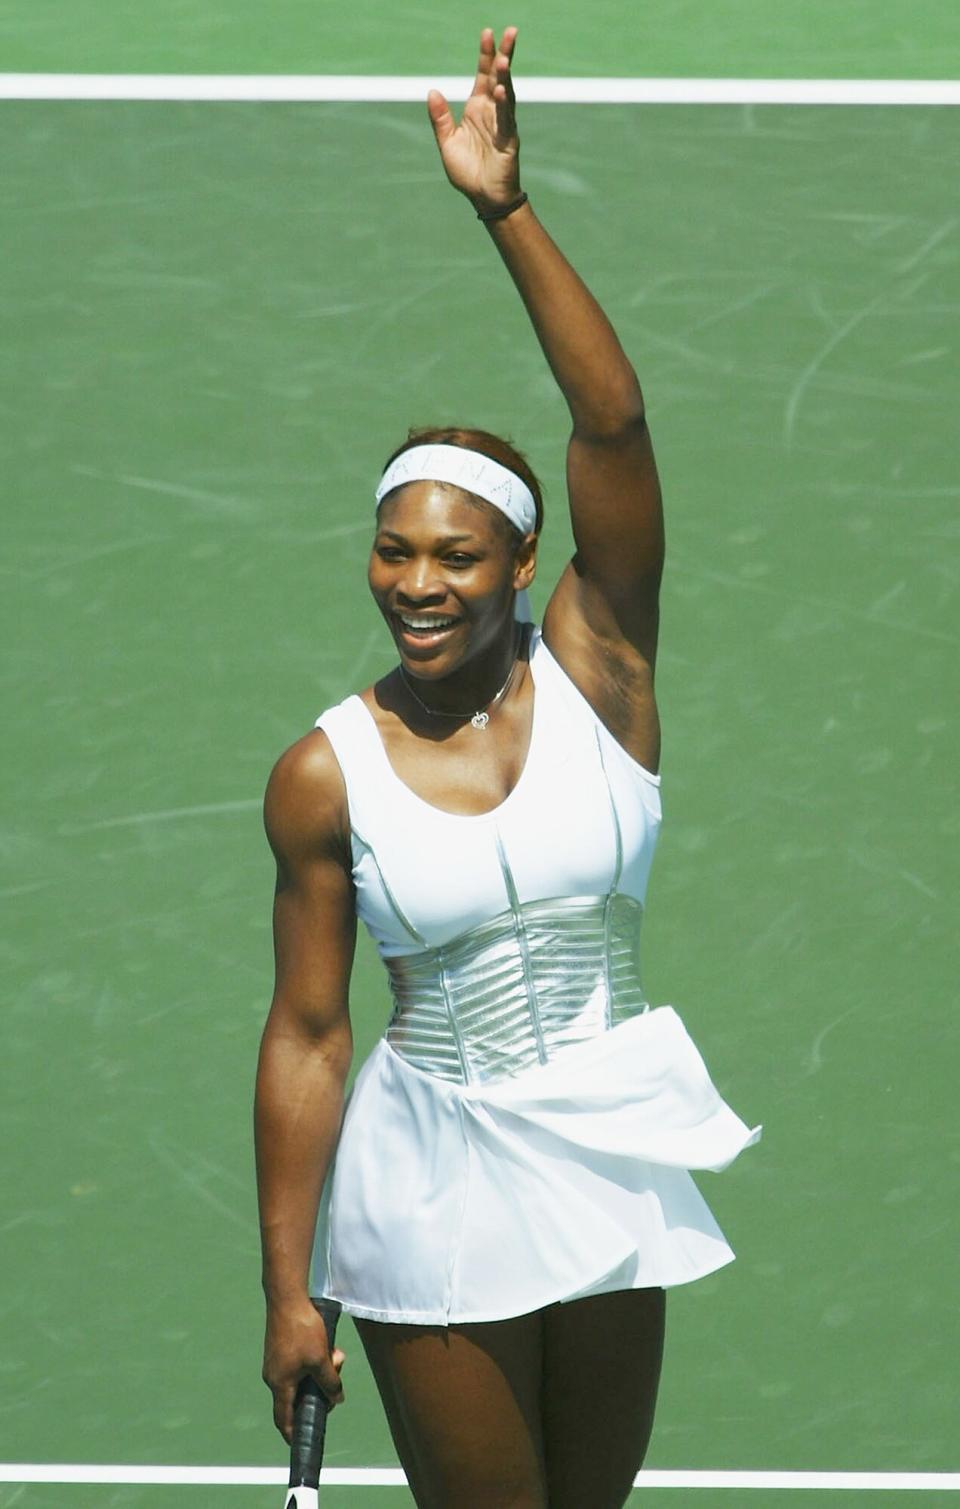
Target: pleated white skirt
[(453, 1203)]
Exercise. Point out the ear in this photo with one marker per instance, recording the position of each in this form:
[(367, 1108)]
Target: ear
[(525, 563)]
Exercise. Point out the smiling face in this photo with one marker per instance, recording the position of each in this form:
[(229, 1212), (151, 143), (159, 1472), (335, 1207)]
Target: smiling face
[(444, 571)]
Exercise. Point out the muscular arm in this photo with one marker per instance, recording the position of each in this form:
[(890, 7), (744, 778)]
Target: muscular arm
[(305, 1053), (611, 475), (602, 620)]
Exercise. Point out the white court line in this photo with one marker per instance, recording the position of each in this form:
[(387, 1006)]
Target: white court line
[(392, 1477), (382, 88)]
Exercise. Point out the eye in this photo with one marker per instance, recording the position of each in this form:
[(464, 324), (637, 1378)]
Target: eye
[(459, 560), (389, 552)]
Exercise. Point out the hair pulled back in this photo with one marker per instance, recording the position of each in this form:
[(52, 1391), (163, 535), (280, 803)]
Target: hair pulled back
[(487, 444)]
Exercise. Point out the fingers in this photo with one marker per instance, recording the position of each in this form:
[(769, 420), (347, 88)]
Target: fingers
[(490, 62), (327, 1378), (441, 118), (488, 51), (503, 95), (283, 1399)]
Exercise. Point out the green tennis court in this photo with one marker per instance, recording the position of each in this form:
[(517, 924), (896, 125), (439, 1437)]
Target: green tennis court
[(219, 319)]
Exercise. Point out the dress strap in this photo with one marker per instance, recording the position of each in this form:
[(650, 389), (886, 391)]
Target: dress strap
[(360, 755)]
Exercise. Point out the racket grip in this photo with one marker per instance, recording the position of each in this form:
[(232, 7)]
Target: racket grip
[(310, 1423)]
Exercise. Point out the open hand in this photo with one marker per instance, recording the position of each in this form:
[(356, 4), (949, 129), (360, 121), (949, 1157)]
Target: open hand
[(481, 155)]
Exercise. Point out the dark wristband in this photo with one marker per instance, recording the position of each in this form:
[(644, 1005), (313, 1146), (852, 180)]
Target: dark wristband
[(503, 212)]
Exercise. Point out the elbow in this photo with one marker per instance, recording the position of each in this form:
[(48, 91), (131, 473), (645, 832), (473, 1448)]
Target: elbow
[(612, 416), (323, 1045), (332, 1051)]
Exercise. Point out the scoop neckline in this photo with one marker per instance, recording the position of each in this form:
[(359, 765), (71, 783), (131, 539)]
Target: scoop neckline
[(491, 812)]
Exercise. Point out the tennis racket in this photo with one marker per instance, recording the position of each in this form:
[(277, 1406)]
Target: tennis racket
[(309, 1426)]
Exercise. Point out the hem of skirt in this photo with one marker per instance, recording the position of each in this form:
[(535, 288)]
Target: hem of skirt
[(482, 1316)]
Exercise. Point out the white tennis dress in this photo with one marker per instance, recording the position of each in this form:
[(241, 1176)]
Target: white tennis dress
[(522, 1133)]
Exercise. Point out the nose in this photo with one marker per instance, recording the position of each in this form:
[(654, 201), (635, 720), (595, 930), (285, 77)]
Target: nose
[(419, 584)]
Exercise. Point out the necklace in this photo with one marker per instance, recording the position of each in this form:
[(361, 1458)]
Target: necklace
[(481, 717)]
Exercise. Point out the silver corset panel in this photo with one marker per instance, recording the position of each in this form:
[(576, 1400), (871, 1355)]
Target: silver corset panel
[(507, 995)]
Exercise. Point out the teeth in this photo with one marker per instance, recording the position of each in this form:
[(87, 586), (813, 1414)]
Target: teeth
[(426, 623)]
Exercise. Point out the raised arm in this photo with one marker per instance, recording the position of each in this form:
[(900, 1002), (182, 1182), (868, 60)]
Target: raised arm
[(609, 592), (304, 1056)]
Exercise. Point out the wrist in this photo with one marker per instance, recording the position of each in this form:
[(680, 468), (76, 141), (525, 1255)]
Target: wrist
[(498, 209), (289, 1300), (285, 1287)]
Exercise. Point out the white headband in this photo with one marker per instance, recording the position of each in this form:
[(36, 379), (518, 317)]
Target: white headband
[(467, 469)]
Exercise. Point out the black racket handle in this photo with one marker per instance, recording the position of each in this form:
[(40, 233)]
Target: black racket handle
[(310, 1412)]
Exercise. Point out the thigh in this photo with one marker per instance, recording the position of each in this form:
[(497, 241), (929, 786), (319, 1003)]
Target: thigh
[(463, 1404), (601, 1368)]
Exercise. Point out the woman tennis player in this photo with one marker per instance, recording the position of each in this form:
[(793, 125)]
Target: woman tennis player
[(508, 1196)]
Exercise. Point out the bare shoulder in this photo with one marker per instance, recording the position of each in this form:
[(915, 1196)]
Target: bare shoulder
[(314, 912), (305, 807)]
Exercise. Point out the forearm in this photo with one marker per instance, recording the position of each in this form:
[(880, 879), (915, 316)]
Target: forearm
[(581, 346), (299, 1104)]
